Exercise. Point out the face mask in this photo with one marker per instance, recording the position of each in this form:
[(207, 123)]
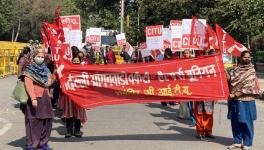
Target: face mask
[(39, 60)]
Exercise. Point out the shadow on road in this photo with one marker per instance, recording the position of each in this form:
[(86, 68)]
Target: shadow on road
[(143, 137), (18, 143), (168, 113)]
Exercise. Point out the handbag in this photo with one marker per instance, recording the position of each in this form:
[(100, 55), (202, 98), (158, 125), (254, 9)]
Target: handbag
[(19, 93)]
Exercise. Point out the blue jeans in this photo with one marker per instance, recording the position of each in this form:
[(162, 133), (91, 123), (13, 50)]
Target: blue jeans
[(190, 106)]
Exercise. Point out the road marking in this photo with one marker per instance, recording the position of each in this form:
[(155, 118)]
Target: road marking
[(6, 126)]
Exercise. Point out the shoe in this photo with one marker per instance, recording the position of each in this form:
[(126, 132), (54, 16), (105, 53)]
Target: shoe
[(199, 136), (209, 136), (45, 147), (246, 148), (192, 125), (68, 135), (181, 118), (235, 146), (78, 134)]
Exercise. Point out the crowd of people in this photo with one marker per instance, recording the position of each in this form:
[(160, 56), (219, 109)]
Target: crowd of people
[(38, 73)]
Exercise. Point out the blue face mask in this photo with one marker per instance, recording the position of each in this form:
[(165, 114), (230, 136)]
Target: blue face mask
[(39, 60)]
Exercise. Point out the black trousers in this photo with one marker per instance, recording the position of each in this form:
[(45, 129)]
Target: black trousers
[(73, 124)]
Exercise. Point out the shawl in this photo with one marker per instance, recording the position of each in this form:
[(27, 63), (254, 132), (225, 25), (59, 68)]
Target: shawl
[(39, 74), (244, 79)]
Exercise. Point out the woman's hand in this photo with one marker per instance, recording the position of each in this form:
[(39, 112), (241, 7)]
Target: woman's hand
[(237, 94), (35, 103)]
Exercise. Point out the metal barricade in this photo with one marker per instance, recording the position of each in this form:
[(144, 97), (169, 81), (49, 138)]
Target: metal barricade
[(8, 58)]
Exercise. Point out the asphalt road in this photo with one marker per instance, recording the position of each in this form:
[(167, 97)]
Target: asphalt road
[(124, 127)]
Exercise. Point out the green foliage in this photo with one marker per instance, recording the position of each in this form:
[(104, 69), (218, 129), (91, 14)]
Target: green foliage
[(260, 56)]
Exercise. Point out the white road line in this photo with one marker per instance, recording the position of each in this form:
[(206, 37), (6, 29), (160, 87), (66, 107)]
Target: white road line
[(6, 126)]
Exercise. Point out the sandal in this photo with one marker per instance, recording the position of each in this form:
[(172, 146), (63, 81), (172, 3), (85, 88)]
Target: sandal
[(235, 146), (246, 148)]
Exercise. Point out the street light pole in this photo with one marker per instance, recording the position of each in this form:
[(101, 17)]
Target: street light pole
[(138, 25), (122, 17)]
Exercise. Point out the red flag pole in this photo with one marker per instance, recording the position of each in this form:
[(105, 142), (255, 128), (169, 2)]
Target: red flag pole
[(192, 31)]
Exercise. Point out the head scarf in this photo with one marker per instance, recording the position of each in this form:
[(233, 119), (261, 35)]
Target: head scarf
[(38, 73)]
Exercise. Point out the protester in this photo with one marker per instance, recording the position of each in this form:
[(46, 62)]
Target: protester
[(241, 106), (103, 54), (74, 50), (159, 56), (38, 110), (125, 55), (149, 59), (73, 114), (110, 56), (89, 57), (81, 55), (137, 56), (184, 111), (203, 113), (168, 55), (22, 60)]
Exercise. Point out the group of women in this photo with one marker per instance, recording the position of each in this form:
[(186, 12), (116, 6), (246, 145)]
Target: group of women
[(37, 77)]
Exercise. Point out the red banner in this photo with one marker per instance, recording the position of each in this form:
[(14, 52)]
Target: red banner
[(227, 43), (172, 80)]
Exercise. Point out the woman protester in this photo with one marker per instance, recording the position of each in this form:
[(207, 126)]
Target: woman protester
[(242, 107), (168, 55), (203, 114), (38, 111), (22, 60), (73, 114)]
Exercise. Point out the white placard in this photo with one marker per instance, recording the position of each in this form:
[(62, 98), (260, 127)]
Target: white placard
[(176, 34), (154, 36), (121, 39), (76, 38)]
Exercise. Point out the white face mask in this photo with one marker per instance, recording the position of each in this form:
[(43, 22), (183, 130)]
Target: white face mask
[(39, 60)]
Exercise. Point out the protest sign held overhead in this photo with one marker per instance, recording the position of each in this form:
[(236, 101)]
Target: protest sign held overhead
[(154, 36), (72, 22), (176, 35), (194, 34), (121, 39), (93, 36)]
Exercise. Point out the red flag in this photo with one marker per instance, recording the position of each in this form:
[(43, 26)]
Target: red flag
[(227, 43), (44, 39), (193, 30), (212, 38), (198, 40), (54, 34)]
